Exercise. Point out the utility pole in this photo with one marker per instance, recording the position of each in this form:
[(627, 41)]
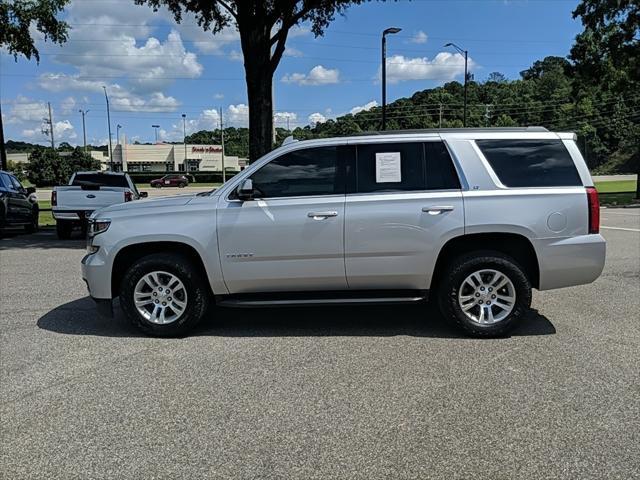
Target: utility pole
[(184, 138), (224, 173), (118, 127), (3, 150), (84, 129), (487, 115), (109, 125), (53, 143)]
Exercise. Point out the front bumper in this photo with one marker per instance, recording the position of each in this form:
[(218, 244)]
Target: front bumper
[(570, 261)]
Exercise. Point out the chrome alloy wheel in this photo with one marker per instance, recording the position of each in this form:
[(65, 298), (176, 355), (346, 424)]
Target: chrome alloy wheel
[(487, 296), (160, 297)]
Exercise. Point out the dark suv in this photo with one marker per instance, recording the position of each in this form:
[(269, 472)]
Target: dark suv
[(18, 206), (170, 181)]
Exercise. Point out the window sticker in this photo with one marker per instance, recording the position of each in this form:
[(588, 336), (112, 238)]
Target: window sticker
[(388, 167)]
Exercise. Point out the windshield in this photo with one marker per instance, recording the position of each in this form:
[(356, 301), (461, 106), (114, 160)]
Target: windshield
[(100, 179)]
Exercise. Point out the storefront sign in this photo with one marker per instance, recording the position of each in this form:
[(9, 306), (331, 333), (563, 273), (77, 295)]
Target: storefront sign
[(204, 149)]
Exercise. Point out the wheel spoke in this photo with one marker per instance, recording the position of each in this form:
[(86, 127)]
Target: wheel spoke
[(490, 318), (162, 315), (477, 278)]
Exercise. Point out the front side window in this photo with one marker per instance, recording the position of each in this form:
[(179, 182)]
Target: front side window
[(312, 171), (5, 181), (16, 183), (531, 163)]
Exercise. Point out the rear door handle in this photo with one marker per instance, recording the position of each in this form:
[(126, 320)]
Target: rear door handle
[(321, 215), (437, 210)]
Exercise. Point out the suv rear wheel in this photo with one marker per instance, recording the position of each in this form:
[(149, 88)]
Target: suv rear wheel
[(487, 294), (164, 295)]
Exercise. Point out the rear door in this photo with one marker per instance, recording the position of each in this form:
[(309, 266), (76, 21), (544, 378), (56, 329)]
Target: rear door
[(290, 236), (405, 203), (19, 201)]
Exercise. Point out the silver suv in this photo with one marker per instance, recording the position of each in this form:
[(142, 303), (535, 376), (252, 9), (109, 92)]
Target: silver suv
[(473, 218)]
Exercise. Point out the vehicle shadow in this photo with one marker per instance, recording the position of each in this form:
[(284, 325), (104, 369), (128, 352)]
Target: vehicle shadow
[(80, 318), (45, 238)]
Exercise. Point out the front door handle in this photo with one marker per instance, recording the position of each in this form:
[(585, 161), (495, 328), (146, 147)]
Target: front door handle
[(321, 215), (437, 210)]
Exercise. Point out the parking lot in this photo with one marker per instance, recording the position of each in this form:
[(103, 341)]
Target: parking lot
[(318, 393)]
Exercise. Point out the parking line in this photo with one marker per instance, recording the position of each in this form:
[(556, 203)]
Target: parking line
[(620, 228)]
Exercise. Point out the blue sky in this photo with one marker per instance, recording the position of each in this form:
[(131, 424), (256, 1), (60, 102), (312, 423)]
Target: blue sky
[(155, 70)]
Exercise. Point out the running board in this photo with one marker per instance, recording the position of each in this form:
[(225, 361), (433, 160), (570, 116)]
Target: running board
[(316, 302)]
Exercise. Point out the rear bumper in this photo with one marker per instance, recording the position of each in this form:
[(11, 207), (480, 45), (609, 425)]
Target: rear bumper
[(71, 214), (570, 261)]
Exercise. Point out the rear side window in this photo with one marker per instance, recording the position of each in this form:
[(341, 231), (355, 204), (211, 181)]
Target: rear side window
[(313, 171), (441, 174), (100, 180), (389, 167), (531, 163)]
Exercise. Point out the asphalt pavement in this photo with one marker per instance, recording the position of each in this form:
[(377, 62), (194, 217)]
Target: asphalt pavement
[(318, 393)]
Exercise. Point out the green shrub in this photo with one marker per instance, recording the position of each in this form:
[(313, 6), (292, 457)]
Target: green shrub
[(47, 167)]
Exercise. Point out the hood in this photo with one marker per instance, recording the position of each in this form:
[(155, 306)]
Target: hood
[(173, 201)]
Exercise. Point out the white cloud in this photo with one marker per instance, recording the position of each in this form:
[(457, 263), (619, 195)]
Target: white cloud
[(236, 56), (316, 117), (318, 75), (121, 98), (419, 37), (292, 52), (444, 66), (27, 110), (218, 96), (237, 115), (281, 118), (363, 108), (62, 132)]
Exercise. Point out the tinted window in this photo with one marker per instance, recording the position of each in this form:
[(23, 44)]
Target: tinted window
[(530, 163), (16, 183), (441, 174), (4, 180), (100, 179), (313, 171), (378, 165)]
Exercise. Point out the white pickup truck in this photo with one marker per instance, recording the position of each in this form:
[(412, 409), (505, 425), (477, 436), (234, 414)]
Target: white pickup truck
[(72, 204)]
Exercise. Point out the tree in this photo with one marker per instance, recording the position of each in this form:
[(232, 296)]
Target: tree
[(607, 60), (263, 27), (47, 167), (17, 17)]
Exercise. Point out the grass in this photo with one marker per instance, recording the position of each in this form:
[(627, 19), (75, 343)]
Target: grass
[(616, 186), (616, 192), (46, 219)]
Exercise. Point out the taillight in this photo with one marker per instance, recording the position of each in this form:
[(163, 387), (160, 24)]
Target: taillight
[(54, 198), (594, 210), (128, 196)]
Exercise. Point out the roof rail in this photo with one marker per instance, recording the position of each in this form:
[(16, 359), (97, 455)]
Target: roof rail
[(289, 140), (454, 130)]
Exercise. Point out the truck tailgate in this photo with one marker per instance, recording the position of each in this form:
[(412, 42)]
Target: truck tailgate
[(75, 198)]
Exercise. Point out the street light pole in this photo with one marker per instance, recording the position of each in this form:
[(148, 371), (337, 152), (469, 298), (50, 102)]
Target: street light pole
[(184, 138), (84, 129), (224, 174), (466, 76), (109, 124), (118, 127), (384, 73)]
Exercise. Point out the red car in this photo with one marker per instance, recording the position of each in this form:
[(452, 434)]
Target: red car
[(170, 181)]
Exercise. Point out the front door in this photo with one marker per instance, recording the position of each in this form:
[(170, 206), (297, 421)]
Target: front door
[(407, 203), (289, 237)]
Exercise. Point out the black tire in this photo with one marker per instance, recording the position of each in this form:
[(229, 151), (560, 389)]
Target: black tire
[(34, 225), (460, 268), (198, 295), (182, 185), (64, 229), (157, 185)]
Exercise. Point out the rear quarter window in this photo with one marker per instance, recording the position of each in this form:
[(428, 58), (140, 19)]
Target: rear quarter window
[(531, 163)]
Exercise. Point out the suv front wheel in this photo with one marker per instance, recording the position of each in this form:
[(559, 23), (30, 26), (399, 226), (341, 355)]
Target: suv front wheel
[(164, 295), (487, 294)]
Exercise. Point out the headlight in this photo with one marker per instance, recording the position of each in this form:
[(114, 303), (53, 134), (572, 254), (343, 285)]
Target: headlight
[(97, 226)]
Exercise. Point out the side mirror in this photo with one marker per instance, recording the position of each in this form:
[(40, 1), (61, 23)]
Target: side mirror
[(245, 190), (31, 190), (143, 194)]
